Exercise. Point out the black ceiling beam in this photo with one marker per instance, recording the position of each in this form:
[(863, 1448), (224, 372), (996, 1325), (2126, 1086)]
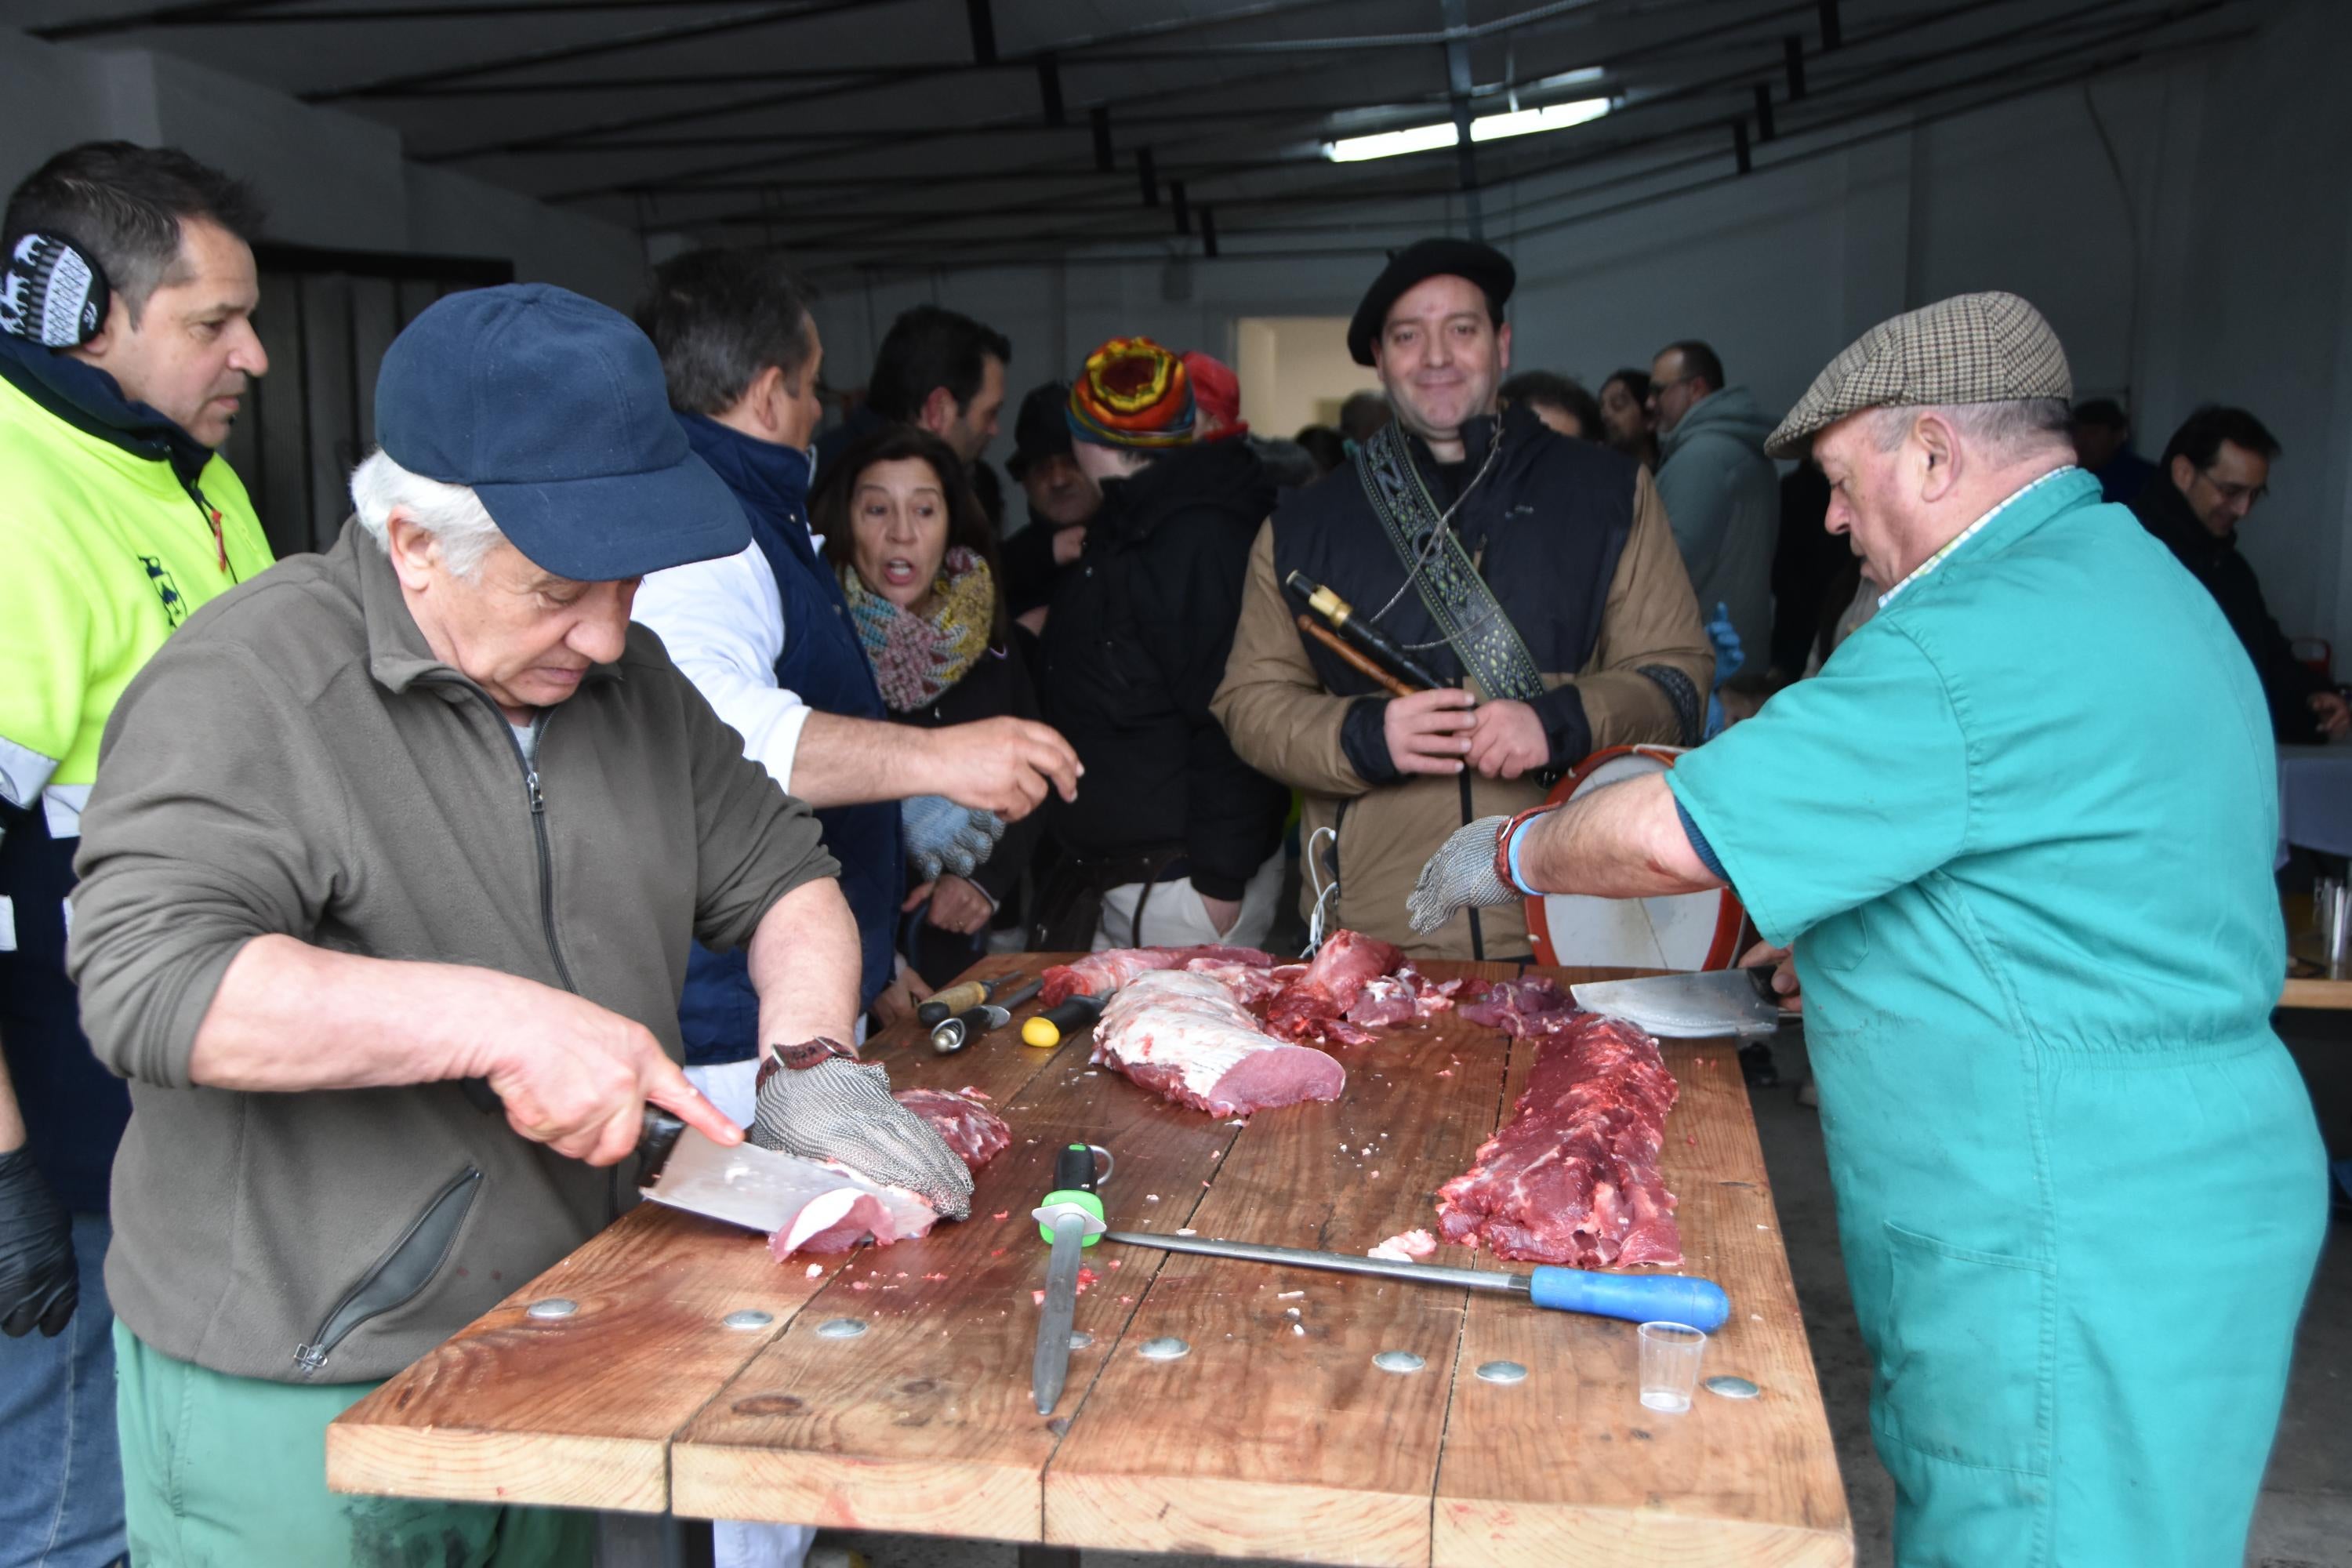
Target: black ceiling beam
[(875, 223), (444, 11), (1739, 154), (601, 86), (1370, 186), (1873, 70), (913, 68), (1666, 45), (1763, 112), (1183, 208), (1458, 84), (1209, 232), (1049, 90), (1266, 112), (1792, 55), (1833, 33), (927, 259), (1098, 118), (560, 54), (983, 31), (882, 143), (769, 100), (195, 15), (1147, 177)]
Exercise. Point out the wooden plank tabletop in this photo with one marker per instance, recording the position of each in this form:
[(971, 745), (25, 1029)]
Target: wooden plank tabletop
[(1264, 1441)]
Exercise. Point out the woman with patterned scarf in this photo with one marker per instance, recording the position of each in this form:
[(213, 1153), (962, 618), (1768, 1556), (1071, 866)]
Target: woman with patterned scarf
[(918, 564)]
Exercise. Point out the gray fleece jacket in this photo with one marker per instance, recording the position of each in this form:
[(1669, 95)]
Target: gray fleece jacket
[(1723, 501), (296, 760)]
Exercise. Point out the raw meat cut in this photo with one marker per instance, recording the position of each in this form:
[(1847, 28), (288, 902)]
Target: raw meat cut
[(1100, 974), (963, 1119), (1411, 1246), (847, 1206), (1182, 1036), (1573, 1178), (1401, 998), (1316, 1002), (843, 1208)]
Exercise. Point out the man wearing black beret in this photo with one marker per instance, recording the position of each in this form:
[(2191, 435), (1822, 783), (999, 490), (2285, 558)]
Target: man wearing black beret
[(1535, 575)]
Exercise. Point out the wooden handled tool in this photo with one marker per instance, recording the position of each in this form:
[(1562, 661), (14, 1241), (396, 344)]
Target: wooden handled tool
[(1309, 625)]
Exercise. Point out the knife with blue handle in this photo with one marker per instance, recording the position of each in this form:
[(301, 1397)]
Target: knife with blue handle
[(1636, 1297)]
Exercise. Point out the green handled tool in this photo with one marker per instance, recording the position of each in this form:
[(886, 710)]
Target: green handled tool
[(1071, 1217)]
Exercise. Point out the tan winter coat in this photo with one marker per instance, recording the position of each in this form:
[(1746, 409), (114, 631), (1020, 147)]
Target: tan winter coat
[(1283, 722)]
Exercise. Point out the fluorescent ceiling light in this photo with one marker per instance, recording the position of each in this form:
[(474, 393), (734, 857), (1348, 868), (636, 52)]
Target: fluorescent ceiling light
[(1486, 128), (1526, 121), (1391, 143)]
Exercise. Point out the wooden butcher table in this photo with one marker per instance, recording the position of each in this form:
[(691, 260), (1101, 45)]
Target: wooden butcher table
[(698, 1375)]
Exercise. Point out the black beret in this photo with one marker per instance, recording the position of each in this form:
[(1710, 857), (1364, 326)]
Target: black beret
[(1481, 264)]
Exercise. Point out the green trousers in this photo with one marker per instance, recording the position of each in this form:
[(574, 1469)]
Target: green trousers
[(229, 1472)]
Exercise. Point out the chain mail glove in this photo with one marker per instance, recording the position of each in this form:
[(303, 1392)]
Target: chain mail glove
[(816, 1099), (1470, 871), (39, 1280), (940, 835)]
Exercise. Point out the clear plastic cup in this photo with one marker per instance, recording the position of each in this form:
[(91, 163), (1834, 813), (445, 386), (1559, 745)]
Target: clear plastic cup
[(1670, 1356)]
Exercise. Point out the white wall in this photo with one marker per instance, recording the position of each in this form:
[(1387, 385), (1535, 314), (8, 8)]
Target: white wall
[(1296, 370), (331, 179), (2215, 269)]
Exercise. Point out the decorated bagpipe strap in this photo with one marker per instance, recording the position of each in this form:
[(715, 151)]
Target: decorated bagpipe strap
[(1458, 599)]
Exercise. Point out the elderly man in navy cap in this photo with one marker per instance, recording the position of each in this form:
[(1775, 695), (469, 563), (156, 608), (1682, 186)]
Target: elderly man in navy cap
[(387, 887), (1535, 575)]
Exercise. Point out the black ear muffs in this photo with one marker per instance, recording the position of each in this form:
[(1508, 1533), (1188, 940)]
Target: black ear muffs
[(51, 292)]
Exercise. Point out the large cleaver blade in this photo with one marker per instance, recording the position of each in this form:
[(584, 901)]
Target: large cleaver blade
[(762, 1189), (1704, 1006)]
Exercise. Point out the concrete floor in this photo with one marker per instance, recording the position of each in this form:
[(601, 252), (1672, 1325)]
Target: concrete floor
[(2305, 1517)]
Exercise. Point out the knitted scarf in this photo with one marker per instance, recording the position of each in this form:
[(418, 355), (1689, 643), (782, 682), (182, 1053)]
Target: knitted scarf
[(917, 658)]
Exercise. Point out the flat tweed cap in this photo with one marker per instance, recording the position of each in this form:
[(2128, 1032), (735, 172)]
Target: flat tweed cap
[(1971, 348)]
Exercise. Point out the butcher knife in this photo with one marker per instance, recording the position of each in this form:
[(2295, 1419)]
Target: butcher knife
[(1071, 1217), (760, 1189), (1636, 1297), (1704, 1006), (951, 1035), (1064, 1018), (945, 1004)]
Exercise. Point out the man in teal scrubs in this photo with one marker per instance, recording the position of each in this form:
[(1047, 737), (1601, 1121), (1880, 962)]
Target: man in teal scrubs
[(2015, 842)]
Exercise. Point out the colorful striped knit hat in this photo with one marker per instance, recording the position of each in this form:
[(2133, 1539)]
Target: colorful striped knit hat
[(1134, 393)]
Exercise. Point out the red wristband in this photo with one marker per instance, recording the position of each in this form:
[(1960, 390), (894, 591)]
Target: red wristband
[(1502, 846), (807, 1053)]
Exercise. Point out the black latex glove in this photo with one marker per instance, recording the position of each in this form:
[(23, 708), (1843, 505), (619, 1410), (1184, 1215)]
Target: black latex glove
[(40, 1282)]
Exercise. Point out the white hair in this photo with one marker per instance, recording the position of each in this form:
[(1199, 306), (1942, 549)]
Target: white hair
[(451, 513), (2010, 431)]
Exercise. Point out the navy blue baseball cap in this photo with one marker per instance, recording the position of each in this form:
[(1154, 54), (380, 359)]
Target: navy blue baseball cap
[(552, 408)]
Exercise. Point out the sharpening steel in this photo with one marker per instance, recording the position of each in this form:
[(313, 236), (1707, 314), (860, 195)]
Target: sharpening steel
[(1636, 1297)]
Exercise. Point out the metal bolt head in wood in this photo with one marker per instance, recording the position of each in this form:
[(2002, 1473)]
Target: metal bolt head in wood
[(1168, 1348), (1080, 1339), (749, 1318), (1732, 1387), (1502, 1371), (841, 1328), (1398, 1361), (552, 1308)]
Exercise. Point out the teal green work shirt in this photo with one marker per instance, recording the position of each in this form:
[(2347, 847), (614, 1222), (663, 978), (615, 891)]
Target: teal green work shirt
[(2019, 834)]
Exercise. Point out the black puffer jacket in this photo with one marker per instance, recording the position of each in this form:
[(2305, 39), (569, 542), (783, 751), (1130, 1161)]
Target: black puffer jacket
[(2213, 560), (1135, 645)]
